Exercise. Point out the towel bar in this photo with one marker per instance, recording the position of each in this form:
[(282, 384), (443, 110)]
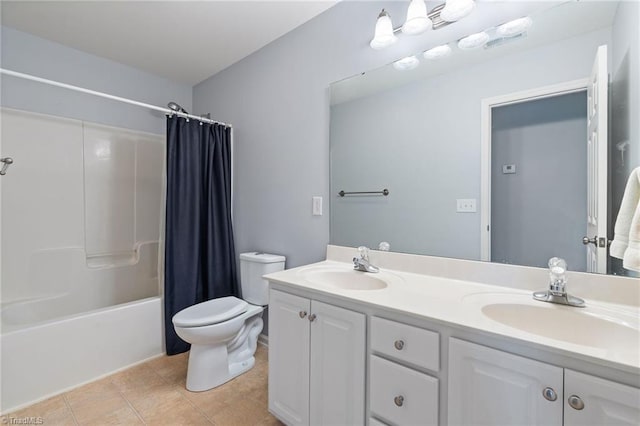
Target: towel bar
[(384, 192)]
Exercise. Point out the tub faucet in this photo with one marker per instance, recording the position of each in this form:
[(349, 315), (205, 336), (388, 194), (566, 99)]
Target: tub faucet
[(362, 263), (557, 292)]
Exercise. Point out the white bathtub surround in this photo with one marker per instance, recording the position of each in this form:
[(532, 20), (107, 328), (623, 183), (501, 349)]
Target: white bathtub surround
[(94, 197), (50, 358), (80, 231)]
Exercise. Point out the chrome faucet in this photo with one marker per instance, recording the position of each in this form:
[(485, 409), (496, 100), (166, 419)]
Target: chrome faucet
[(557, 292), (362, 263)]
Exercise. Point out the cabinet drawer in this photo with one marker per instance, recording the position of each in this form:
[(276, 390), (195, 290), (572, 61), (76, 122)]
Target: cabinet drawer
[(406, 343), (401, 395), (376, 422)]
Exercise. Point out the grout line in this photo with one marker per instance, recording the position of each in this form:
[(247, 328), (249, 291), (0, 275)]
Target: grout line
[(73, 415), (133, 408)]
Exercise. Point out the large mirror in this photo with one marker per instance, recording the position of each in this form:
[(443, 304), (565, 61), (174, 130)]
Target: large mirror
[(511, 152)]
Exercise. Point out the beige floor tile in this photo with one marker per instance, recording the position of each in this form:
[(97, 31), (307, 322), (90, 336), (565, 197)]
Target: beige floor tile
[(165, 406), (244, 412), (108, 410), (53, 411), (171, 368), (155, 393), (270, 420), (141, 376), (96, 391)]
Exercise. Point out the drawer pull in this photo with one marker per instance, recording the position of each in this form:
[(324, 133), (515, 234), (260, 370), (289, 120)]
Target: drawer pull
[(399, 344), (549, 394), (302, 314), (576, 402), (399, 400), (312, 317)]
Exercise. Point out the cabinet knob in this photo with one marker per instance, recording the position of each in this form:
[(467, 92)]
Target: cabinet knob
[(302, 314), (312, 317), (576, 402), (399, 400), (398, 344), (549, 394)]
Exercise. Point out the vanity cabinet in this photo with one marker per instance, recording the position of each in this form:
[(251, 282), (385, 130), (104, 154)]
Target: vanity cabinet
[(489, 387), (399, 391), (316, 361)]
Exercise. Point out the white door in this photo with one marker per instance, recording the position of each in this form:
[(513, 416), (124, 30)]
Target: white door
[(337, 366), (289, 357), (491, 387), (597, 142), (593, 401)]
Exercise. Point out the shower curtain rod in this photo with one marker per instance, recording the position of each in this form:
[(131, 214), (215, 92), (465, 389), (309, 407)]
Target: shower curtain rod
[(108, 96)]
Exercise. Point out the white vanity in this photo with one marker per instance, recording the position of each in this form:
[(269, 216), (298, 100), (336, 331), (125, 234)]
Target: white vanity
[(452, 342)]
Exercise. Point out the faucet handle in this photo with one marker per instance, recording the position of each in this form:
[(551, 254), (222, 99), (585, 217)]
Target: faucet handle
[(557, 271), (364, 252)]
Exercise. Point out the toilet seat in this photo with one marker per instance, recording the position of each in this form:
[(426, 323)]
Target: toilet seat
[(211, 312)]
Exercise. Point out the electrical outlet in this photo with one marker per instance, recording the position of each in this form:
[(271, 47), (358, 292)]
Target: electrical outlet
[(466, 205), (316, 208)]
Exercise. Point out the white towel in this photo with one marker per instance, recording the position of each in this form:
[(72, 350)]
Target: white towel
[(626, 239)]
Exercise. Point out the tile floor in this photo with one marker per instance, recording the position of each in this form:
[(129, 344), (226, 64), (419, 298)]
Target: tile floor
[(154, 393)]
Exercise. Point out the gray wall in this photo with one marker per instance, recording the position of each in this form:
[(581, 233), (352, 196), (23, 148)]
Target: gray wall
[(422, 141), (541, 210), (26, 53), (277, 100)]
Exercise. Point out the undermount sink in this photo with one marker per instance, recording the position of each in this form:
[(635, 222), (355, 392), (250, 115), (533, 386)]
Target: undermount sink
[(345, 278), (594, 326)]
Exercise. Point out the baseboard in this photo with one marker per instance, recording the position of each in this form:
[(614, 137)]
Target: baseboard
[(263, 339)]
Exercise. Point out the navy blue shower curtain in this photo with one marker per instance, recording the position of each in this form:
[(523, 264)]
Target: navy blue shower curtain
[(199, 250)]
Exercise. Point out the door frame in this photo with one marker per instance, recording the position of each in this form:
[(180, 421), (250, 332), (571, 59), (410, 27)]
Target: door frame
[(487, 105)]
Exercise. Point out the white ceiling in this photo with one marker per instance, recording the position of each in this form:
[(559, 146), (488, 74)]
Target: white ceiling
[(184, 41)]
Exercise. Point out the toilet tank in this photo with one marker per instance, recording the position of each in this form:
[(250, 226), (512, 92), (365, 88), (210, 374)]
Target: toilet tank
[(253, 266)]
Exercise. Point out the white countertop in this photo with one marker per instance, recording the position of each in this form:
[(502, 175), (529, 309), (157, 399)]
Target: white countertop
[(602, 332)]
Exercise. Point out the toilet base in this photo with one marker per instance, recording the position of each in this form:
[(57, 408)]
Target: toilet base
[(213, 365)]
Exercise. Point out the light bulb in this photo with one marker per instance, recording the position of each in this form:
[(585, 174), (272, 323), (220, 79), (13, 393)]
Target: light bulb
[(473, 41), (405, 64), (417, 21), (515, 27), (383, 35), (438, 52), (454, 10)]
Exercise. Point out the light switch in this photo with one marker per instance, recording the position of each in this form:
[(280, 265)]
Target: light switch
[(316, 206), (466, 205)]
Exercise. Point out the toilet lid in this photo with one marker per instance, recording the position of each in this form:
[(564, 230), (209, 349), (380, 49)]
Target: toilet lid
[(210, 312)]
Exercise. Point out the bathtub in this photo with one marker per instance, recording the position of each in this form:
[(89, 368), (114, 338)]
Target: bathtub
[(48, 358), (105, 315)]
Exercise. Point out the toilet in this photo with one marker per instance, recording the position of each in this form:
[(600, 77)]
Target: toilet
[(224, 332)]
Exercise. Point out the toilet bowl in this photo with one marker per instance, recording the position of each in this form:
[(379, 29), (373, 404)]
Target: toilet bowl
[(223, 332)]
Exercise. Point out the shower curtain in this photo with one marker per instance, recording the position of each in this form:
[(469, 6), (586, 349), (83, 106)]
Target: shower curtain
[(199, 249)]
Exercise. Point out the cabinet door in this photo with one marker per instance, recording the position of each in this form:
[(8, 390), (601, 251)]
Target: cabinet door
[(337, 366), (289, 357), (603, 402), (490, 387)]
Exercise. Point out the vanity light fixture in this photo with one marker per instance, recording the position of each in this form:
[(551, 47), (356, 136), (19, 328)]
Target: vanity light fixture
[(437, 52), (455, 10), (405, 64), (515, 27), (473, 41), (383, 35), (419, 20)]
